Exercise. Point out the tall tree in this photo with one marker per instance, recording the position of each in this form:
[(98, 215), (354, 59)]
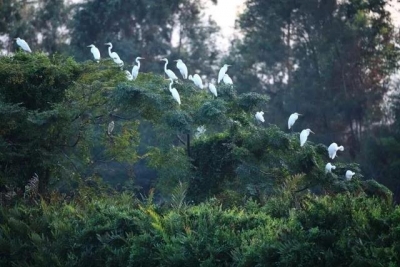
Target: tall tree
[(327, 59), (138, 28)]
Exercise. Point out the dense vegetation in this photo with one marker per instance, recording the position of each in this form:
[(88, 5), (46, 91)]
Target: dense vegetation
[(202, 183)]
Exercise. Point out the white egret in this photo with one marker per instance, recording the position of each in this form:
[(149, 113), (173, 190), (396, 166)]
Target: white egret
[(213, 89), (222, 72), (260, 116), (110, 127), (329, 167), (227, 79), (303, 136), (24, 45), (197, 80), (114, 55), (174, 92), (200, 131), (135, 69), (169, 72), (95, 51), (182, 68), (349, 175), (129, 76), (292, 119), (333, 148)]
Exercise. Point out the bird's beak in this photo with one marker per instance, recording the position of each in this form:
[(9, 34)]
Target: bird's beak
[(312, 132), (229, 65), (299, 114), (88, 46), (175, 60), (15, 38)]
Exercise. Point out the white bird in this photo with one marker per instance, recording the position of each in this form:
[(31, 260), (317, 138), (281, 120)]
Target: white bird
[(349, 175), (292, 119), (260, 116), (95, 51), (174, 92), (110, 127), (303, 136), (222, 72), (200, 131), (197, 80), (169, 72), (23, 44), (329, 167), (213, 89), (182, 68), (333, 148), (135, 69), (129, 75), (227, 79), (114, 55)]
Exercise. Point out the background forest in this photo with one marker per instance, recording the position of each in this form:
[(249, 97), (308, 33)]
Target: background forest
[(156, 191)]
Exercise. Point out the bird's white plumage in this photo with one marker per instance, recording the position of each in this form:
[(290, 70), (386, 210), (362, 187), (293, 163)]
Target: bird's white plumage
[(304, 135), (196, 80), (227, 79), (135, 69), (174, 92), (212, 89), (349, 174), (222, 72), (128, 75), (292, 119), (333, 148), (182, 68), (114, 55), (23, 44), (329, 167), (110, 127), (260, 116), (169, 72), (95, 51)]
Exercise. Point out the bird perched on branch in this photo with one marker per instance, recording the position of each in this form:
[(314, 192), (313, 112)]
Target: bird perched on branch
[(182, 68), (169, 72), (24, 45), (304, 135), (95, 51)]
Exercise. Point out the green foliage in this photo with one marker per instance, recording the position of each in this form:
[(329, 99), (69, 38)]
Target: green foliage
[(119, 230)]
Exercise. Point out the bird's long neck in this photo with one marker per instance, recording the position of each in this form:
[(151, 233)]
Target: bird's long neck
[(165, 66), (109, 50), (138, 62), (170, 85)]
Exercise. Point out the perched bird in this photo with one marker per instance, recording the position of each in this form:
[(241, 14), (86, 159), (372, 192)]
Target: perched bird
[(95, 51), (110, 127), (114, 55), (292, 119), (135, 69), (227, 79), (349, 175), (182, 68), (303, 136), (329, 167), (333, 148), (24, 45), (260, 116), (200, 131), (213, 89), (197, 80), (222, 72), (169, 72), (174, 92), (129, 76)]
